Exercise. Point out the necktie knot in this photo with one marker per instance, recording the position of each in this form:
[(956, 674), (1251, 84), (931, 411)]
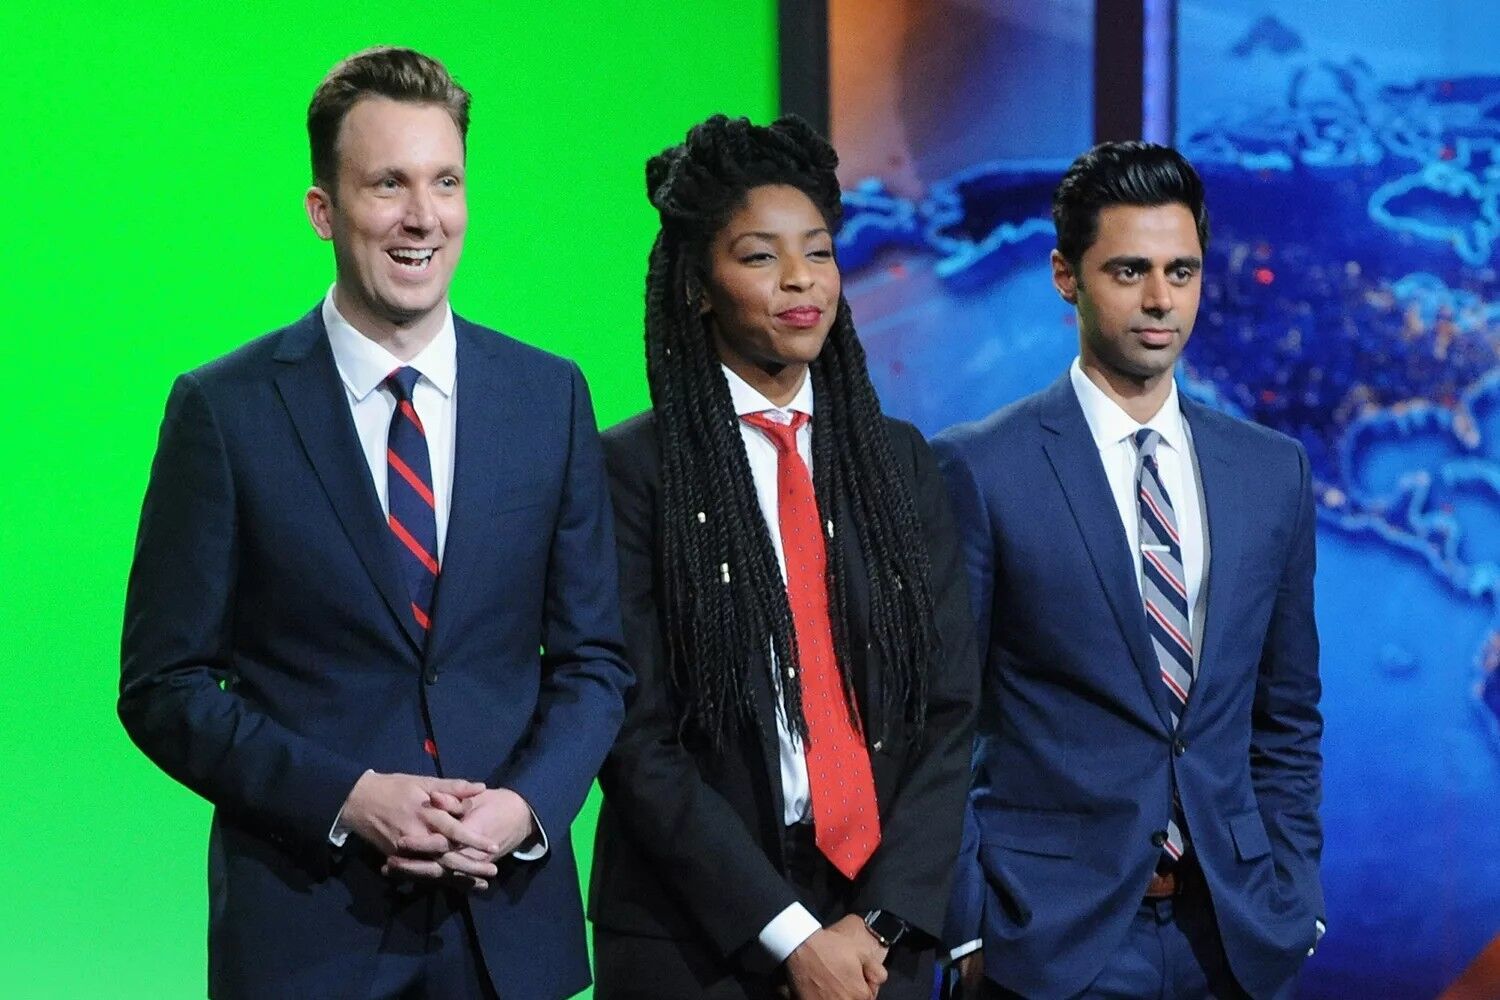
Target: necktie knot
[(783, 436), (1146, 441), (402, 381)]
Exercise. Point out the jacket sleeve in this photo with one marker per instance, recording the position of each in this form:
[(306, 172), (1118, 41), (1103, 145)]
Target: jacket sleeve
[(1286, 761), (177, 697), (697, 843), (911, 873), (581, 701), (966, 904)]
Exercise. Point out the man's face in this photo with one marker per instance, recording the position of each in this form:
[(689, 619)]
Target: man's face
[(1136, 289), (398, 212)]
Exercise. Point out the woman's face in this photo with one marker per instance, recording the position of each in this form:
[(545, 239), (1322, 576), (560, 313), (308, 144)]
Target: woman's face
[(772, 289)]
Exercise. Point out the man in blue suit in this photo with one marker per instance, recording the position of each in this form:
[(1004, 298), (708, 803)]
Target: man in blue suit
[(373, 613), (1143, 819)]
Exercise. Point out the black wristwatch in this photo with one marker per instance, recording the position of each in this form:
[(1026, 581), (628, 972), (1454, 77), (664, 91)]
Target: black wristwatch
[(886, 926)]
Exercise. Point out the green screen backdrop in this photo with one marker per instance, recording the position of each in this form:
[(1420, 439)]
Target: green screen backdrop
[(154, 184)]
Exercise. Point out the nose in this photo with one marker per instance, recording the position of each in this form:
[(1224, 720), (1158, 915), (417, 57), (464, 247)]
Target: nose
[(796, 273), (1156, 296), (421, 213)]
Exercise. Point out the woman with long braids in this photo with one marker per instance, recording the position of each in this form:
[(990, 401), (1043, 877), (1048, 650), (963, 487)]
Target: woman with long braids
[(784, 804)]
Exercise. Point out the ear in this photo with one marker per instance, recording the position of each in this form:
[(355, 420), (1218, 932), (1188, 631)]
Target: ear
[(697, 295), (1064, 279), (319, 205)]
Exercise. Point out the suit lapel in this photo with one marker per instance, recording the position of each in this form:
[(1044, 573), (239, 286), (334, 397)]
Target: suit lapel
[(1075, 461), (856, 580), (489, 414), (314, 398), (1225, 494)]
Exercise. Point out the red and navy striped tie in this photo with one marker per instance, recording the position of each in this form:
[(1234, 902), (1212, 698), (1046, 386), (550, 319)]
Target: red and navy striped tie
[(1165, 593), (412, 511)]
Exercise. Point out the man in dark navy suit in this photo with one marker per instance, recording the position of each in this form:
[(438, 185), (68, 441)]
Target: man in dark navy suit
[(373, 613), (1144, 815)]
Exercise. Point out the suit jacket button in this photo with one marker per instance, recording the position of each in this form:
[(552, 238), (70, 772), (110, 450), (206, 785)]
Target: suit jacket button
[(1159, 838), (880, 744), (431, 675), (1179, 747)]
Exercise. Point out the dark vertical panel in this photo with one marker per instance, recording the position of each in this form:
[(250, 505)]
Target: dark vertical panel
[(803, 36), (1119, 60)]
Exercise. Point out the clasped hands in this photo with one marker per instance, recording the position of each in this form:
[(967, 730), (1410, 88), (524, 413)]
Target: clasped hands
[(438, 828), (843, 961)]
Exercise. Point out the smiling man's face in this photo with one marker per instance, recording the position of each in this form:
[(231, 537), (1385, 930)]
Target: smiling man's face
[(396, 215), (1137, 288)]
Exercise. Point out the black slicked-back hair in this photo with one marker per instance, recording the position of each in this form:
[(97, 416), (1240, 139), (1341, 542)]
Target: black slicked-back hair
[(1122, 173), (726, 603)]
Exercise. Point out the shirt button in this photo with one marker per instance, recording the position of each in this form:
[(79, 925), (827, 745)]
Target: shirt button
[(880, 744), (1159, 838), (791, 673)]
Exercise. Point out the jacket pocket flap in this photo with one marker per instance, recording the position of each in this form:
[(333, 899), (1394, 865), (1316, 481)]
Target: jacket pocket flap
[(1050, 834), (1249, 833)]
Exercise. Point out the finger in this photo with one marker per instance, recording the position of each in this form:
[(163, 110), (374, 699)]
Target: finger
[(456, 862), (454, 786), (413, 867), (470, 883), (427, 843), (477, 855), (459, 835), (447, 802)]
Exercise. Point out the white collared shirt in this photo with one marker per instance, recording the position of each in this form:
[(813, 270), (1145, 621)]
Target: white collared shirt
[(1113, 431), (788, 929), (763, 458), (363, 367)]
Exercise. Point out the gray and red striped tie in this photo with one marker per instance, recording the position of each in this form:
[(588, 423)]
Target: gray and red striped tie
[(1164, 590), (412, 511)]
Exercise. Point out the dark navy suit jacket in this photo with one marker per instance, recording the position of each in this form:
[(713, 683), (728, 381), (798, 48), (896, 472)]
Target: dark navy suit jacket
[(1075, 758), (270, 656)]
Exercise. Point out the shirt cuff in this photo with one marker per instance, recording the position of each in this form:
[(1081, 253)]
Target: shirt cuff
[(338, 834), (787, 930), (967, 948), (536, 848)]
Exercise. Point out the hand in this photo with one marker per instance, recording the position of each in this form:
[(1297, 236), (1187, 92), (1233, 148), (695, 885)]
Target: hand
[(392, 811), (839, 962), (384, 808), (497, 816), (971, 973)]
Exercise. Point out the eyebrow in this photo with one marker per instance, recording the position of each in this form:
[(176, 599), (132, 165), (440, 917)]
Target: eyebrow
[(772, 237), (1144, 263)]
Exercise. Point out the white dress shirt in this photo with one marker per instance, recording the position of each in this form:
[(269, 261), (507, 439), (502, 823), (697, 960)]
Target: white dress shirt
[(1114, 432), (795, 924), (363, 367)]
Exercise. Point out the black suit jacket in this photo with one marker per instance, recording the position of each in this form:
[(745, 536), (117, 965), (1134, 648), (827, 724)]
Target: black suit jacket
[(690, 840), (270, 656)]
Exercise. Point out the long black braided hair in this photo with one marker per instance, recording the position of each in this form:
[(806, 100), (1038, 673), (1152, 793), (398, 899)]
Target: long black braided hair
[(724, 592)]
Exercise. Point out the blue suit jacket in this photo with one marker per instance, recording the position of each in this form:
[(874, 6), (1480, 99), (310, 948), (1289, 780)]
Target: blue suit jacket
[(1075, 758), (270, 656)]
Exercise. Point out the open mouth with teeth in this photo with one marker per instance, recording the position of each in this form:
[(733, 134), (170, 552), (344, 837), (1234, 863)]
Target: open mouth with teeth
[(412, 260)]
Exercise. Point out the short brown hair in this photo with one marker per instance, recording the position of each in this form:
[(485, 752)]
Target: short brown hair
[(384, 71)]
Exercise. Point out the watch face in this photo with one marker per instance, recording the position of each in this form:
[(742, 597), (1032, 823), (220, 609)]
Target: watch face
[(886, 926)]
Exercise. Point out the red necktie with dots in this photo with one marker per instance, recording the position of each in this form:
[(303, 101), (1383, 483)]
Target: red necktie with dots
[(846, 819)]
